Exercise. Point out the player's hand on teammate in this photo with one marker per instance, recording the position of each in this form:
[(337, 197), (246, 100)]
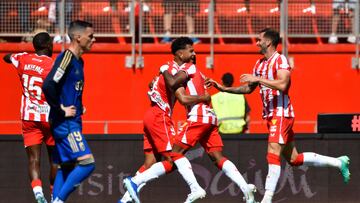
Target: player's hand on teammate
[(84, 110), (249, 78), (70, 111)]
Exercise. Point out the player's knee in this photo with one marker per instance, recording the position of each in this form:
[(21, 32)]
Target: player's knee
[(175, 156), (168, 166), (168, 158), (215, 156), (87, 161), (34, 160), (298, 161), (273, 159)]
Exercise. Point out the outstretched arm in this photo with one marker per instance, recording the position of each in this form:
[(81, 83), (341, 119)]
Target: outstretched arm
[(243, 89), (280, 83), (186, 99)]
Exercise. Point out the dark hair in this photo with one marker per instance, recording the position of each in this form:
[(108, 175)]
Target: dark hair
[(77, 25), (180, 43), (271, 34), (227, 79), (41, 41)]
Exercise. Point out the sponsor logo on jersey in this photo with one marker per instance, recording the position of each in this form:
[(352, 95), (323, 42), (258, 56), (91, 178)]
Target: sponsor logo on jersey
[(41, 109), (273, 128), (79, 85)]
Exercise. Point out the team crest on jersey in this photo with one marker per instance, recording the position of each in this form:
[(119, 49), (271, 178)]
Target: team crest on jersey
[(273, 121), (58, 75), (79, 85)]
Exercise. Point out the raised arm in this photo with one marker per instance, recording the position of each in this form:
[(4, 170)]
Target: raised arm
[(187, 100)]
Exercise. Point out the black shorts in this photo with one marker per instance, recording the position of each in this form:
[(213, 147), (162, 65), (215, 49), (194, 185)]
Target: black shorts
[(188, 7)]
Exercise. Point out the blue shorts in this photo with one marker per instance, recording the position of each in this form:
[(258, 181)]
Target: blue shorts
[(69, 148)]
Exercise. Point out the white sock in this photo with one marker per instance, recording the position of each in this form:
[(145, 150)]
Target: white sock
[(272, 177), (38, 191), (313, 159), (57, 200), (233, 173), (185, 169), (155, 171), (267, 197), (126, 197)]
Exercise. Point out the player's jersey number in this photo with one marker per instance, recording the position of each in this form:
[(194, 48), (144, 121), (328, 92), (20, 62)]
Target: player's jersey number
[(75, 141), (32, 86)]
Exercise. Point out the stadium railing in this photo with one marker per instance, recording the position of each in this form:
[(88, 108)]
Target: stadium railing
[(221, 21), (229, 18)]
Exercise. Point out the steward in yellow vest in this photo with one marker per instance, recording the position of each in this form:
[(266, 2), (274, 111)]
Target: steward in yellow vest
[(231, 109)]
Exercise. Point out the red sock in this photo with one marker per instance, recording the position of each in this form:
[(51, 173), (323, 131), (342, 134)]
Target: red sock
[(221, 163), (142, 169), (36, 182)]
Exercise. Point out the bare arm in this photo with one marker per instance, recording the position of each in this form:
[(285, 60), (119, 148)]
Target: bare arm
[(6, 58), (243, 89), (186, 99), (281, 83), (174, 82)]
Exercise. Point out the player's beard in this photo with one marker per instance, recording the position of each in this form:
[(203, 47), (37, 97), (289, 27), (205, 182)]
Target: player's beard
[(262, 49), (193, 59)]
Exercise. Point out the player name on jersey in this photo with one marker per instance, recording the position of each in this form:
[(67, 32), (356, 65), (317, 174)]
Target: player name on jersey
[(33, 67)]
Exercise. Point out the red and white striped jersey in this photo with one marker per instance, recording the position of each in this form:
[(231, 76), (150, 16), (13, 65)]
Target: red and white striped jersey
[(159, 94), (200, 112), (275, 102), (32, 70)]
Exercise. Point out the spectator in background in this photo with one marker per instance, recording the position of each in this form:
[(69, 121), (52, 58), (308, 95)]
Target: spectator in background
[(24, 16), (311, 8), (69, 7), (189, 9), (3, 13), (232, 110), (343, 8)]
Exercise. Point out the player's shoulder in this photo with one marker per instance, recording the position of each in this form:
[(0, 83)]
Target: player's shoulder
[(189, 68), (20, 55), (64, 59), (40, 59), (167, 64)]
